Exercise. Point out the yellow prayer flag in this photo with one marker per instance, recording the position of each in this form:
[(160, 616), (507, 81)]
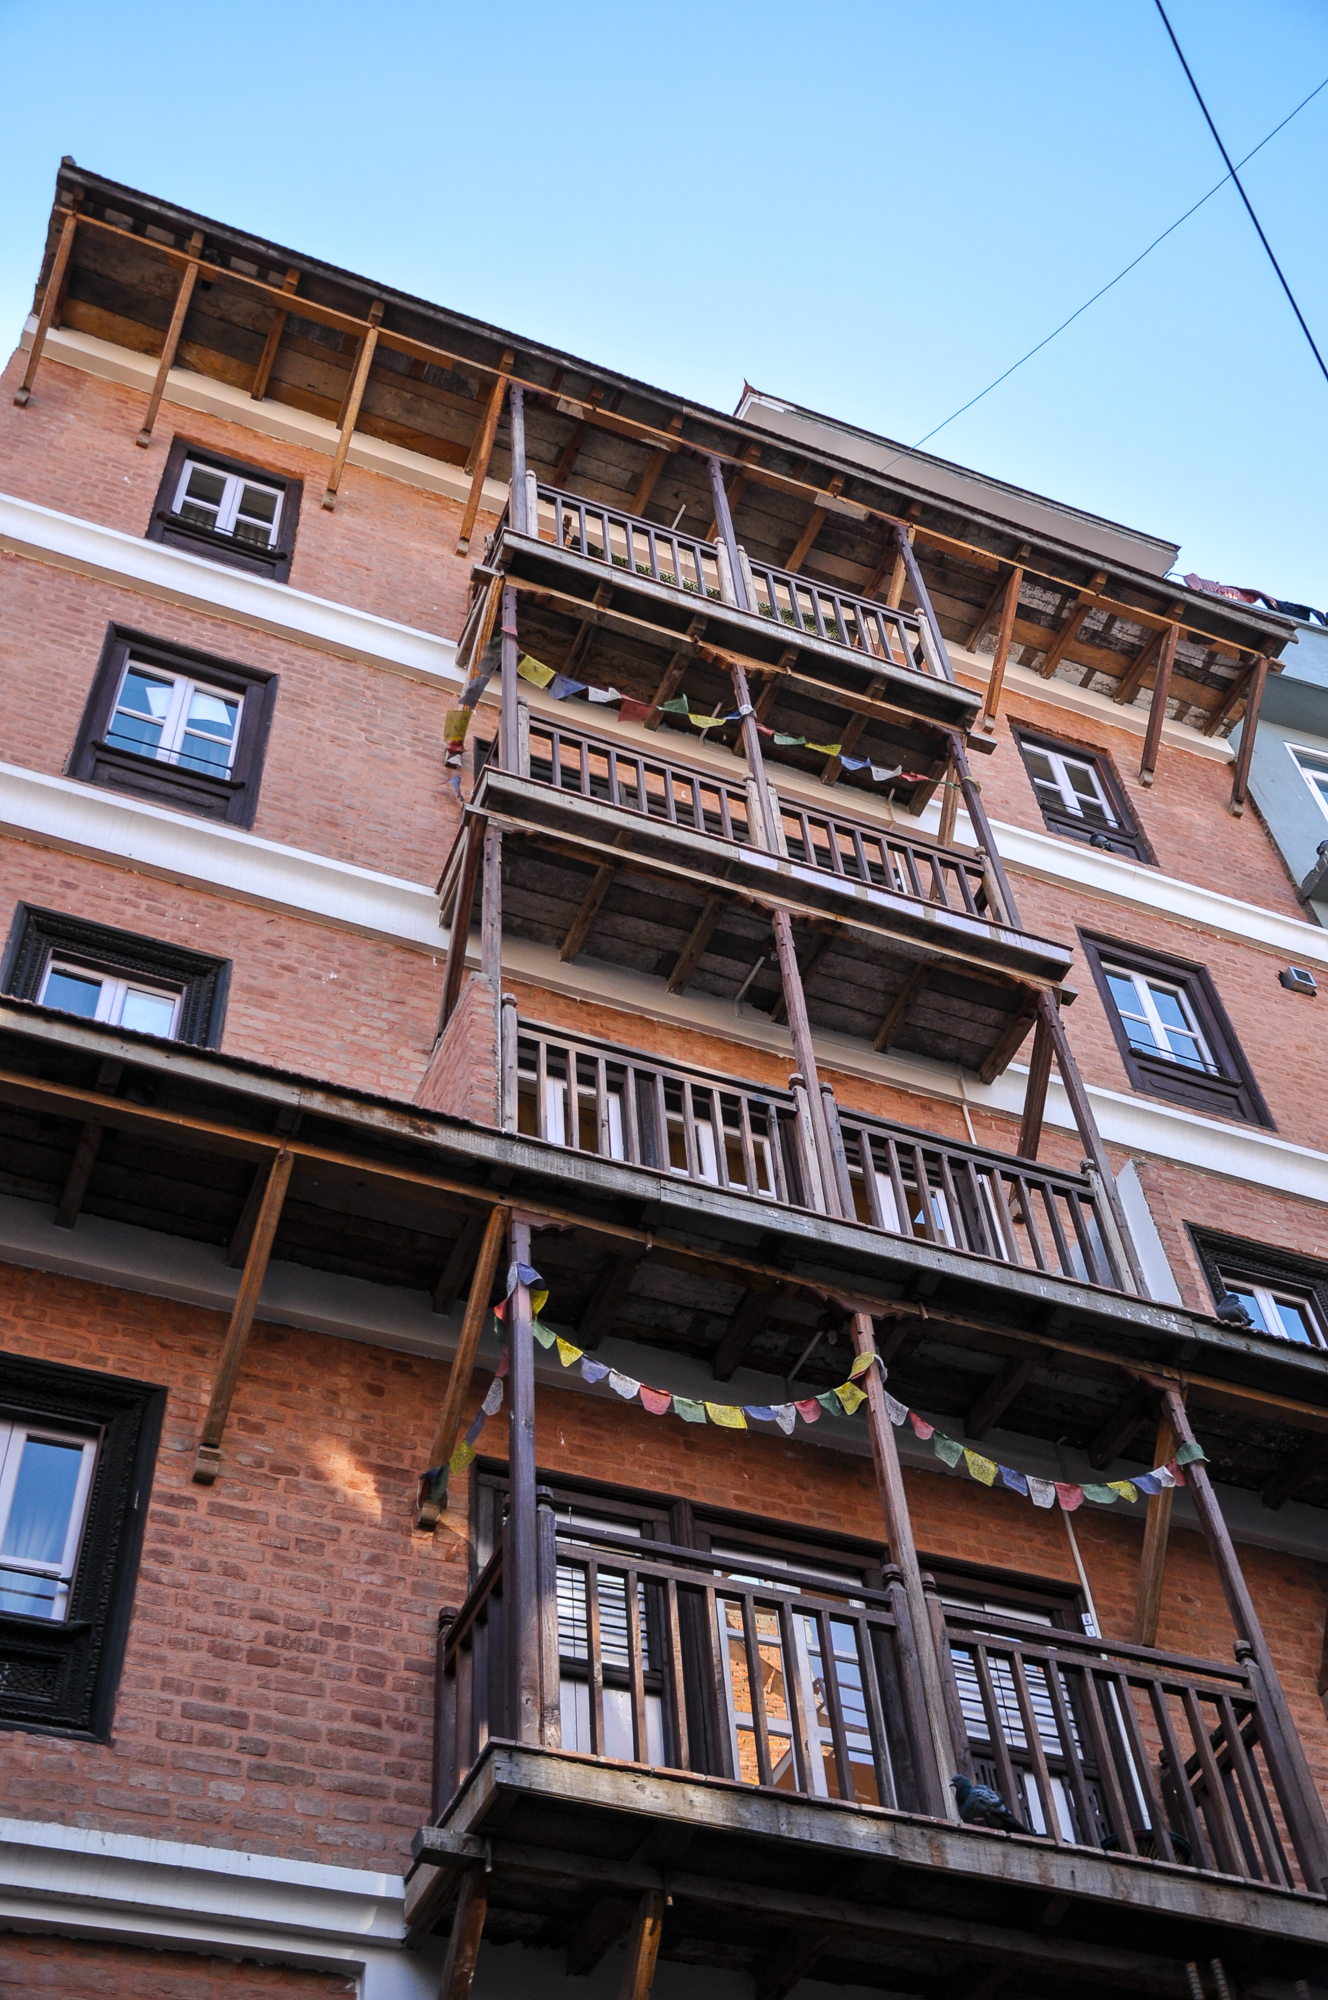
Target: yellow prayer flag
[(727, 1414), (1126, 1488), (980, 1467), (567, 1354), (455, 724), (850, 1395), (862, 1364), (461, 1457), (534, 670), (538, 1301)]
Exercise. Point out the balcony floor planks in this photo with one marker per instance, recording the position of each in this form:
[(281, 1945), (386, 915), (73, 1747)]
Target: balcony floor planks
[(560, 1824)]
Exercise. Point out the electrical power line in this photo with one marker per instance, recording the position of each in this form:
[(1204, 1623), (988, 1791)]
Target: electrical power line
[(1323, 368), (1111, 283)]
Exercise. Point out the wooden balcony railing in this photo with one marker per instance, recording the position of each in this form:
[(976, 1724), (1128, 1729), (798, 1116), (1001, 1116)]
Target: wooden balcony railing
[(665, 1657), (675, 793), (684, 562), (727, 1134)]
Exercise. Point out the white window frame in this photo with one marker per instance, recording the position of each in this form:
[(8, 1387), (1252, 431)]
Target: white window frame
[(1267, 1297), (228, 509), (115, 990), (176, 722), (1070, 799), (1143, 983), (1315, 774), (14, 1435)]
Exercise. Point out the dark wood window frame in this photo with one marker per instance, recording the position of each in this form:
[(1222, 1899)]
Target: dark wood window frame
[(1226, 1257), (1233, 1093), (36, 933), (233, 799), (166, 526), (1127, 837), (60, 1678)]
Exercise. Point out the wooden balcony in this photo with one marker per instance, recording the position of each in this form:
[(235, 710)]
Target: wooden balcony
[(752, 1747), (651, 863), (717, 1132)]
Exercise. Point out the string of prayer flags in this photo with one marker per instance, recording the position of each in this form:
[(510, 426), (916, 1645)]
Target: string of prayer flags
[(1042, 1492)]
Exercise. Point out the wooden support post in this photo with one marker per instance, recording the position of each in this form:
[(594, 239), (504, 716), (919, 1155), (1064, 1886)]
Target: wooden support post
[(516, 421), (463, 1363), (482, 452), (207, 1460), (949, 806), (935, 1771), (521, 1586), (921, 598), (655, 464), (1157, 712), (1234, 695), (673, 674), (724, 529), (463, 1945), (509, 724), (50, 305), (1240, 776), (263, 372), (172, 340), (491, 905), (1035, 1093), (350, 409), (458, 933), (1148, 1592), (643, 1947), (1009, 610), (815, 523), (1086, 1123)]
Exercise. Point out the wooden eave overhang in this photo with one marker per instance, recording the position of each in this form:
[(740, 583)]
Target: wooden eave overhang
[(381, 1191), (431, 378)]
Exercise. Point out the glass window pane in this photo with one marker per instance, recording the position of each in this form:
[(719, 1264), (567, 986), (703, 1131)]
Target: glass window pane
[(74, 994), (1039, 765), (1249, 1299), (204, 753), (1170, 1009), (26, 1594), (206, 485), (38, 1523), (1123, 993), (148, 1013), (1295, 1321), (143, 706), (258, 504), (213, 713)]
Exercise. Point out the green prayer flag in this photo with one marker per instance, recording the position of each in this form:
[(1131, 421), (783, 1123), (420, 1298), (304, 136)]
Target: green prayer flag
[(947, 1449), (1191, 1454), (788, 742), (543, 1334), (1104, 1495), (690, 1412), (678, 706), (830, 1403)]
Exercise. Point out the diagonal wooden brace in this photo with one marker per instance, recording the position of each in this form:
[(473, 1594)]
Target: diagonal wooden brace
[(207, 1460), (172, 341), (463, 1365)]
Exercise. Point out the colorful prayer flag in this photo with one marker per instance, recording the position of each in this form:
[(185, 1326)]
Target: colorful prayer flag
[(455, 724), (1041, 1492), (785, 1415), (809, 1410), (850, 1395), (462, 1457), (534, 670), (633, 710), (1103, 1495), (829, 1402), (728, 1415), (567, 1354), (545, 1335), (1069, 1496), (1125, 1487), (983, 1469), (897, 1411), (862, 1363), (1190, 1453), (656, 1401), (493, 1402), (946, 1448), (1014, 1480), (623, 1385), (761, 1411), (592, 1371), (690, 1412)]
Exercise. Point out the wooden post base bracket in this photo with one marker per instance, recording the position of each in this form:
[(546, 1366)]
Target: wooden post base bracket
[(207, 1464)]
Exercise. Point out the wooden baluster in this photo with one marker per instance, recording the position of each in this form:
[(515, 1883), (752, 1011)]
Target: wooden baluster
[(835, 1706), (871, 1690), (1119, 1815), (676, 1705), (1174, 1758), (1085, 1819), (551, 1722), (756, 1687), (1036, 1751), (801, 1725), (1007, 1783), (1215, 1807), (1251, 1792), (1141, 1762)]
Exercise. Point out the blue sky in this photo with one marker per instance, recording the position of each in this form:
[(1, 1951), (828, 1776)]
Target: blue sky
[(869, 208)]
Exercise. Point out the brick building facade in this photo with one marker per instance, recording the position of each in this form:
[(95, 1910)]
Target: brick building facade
[(381, 923)]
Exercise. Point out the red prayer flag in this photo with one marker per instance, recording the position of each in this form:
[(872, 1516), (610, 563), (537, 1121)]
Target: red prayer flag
[(1176, 1471), (1069, 1496), (631, 710), (656, 1400), (923, 1429), (808, 1411)]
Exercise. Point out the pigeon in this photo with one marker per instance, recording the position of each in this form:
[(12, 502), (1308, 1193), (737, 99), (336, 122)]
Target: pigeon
[(980, 1806), (1145, 1841), (1230, 1309)]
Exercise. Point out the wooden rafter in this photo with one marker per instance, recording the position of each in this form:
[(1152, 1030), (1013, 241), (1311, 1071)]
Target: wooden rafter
[(570, 452), (694, 949), (1121, 1426), (166, 361), (579, 928), (668, 686), (1235, 694), (910, 991), (1308, 1462), (1008, 1383), (85, 1152), (609, 1294), (460, 1263), (750, 1315), (482, 450), (1068, 631), (790, 1960), (815, 522), (991, 702), (207, 1459), (655, 464)]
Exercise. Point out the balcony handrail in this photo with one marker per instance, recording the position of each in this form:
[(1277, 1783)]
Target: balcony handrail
[(656, 786), (627, 541), (603, 1099), (678, 1659)]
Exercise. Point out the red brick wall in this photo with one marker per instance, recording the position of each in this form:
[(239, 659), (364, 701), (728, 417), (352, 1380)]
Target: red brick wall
[(462, 1077), (73, 1967), (389, 547), (303, 996)]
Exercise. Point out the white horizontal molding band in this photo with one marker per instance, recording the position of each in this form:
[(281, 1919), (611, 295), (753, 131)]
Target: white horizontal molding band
[(1139, 1124), (175, 576), (226, 860), (279, 420)]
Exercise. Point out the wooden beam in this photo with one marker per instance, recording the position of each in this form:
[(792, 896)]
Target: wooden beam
[(51, 298), (263, 372), (1304, 1464), (460, 1263), (1157, 710), (1009, 1042), (1133, 678), (1120, 1427), (463, 1945), (1248, 728), (1035, 1094), (579, 928), (602, 1311), (643, 1947), (1065, 635), (1148, 1589), (567, 457), (987, 613), (789, 1961), (463, 1364), (655, 464), (1235, 694), (598, 1931), (806, 967), (348, 415), (172, 340), (692, 952), (85, 1152), (815, 522), (998, 1395), (673, 674), (899, 1006), (207, 1459), (750, 1315), (458, 932), (949, 814), (482, 452), (991, 701)]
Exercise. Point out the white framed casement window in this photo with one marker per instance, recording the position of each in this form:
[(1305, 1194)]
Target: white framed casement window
[(121, 1002), (1284, 1311), (1069, 784), (227, 503), (175, 720), (1313, 768), (45, 1481), (1158, 1019)]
